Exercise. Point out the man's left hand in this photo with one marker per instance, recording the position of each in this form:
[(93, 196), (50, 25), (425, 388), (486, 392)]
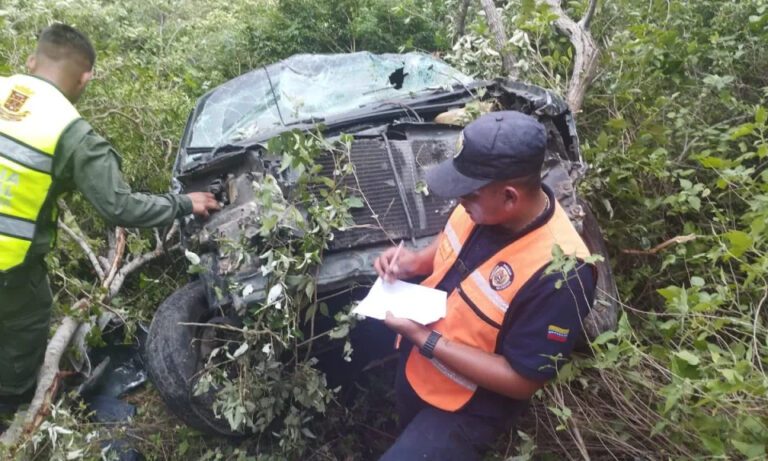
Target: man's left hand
[(412, 331)]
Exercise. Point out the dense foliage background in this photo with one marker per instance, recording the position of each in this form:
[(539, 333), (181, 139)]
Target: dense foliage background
[(674, 127)]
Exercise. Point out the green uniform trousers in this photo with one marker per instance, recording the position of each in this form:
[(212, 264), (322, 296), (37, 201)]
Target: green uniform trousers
[(25, 314)]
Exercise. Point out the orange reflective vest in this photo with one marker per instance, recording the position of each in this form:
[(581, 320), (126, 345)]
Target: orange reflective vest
[(476, 308), (33, 116)]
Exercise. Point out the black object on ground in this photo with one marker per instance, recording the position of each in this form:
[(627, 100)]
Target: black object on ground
[(118, 370), (125, 370), (107, 409)]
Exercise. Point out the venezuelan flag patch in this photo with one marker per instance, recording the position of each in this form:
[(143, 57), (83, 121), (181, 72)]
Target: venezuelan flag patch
[(556, 333)]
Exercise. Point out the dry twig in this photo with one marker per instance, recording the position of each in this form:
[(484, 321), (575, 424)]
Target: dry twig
[(663, 245)]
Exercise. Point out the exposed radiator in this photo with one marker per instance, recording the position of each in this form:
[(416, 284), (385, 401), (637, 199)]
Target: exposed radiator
[(385, 217)]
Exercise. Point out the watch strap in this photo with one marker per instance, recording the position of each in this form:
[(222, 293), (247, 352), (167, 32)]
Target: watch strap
[(428, 348)]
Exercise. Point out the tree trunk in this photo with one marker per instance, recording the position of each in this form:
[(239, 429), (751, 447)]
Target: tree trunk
[(500, 37), (585, 52), (461, 21)]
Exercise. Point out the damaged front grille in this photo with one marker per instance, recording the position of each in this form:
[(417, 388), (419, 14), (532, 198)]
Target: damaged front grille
[(394, 209)]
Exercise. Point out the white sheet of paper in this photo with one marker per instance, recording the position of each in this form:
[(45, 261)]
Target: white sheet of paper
[(420, 304)]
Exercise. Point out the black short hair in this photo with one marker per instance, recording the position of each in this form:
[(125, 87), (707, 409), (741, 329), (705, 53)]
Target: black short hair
[(530, 183), (59, 41)]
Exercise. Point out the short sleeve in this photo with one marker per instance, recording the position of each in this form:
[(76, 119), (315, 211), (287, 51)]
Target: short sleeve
[(545, 321)]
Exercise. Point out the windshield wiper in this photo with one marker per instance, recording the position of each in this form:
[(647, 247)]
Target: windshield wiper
[(308, 121), (406, 108)]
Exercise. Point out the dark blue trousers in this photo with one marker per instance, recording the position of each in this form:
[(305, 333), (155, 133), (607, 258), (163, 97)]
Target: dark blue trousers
[(429, 433)]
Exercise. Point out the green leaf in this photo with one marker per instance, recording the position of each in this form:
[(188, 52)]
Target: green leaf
[(339, 332), (617, 123), (718, 82), (183, 447), (713, 444), (604, 337), (714, 162), (673, 394), (731, 376), (694, 202), (750, 450), (761, 115), (697, 281), (740, 242), (742, 130), (354, 202), (688, 356)]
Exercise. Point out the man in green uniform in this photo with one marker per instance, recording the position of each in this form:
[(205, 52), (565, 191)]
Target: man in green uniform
[(46, 150)]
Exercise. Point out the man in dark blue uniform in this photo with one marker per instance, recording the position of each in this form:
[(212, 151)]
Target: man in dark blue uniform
[(509, 323)]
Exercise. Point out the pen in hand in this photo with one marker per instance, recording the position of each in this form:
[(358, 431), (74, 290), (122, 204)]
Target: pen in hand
[(390, 276)]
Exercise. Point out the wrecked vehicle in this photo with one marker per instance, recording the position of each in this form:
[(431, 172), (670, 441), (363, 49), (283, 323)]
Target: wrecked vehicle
[(401, 112)]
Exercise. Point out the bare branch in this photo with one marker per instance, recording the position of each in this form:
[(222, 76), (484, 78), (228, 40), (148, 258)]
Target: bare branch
[(461, 20), (500, 36), (118, 258), (555, 393), (80, 240), (158, 240), (585, 55), (97, 117), (112, 247), (104, 262), (135, 264), (98, 262), (172, 231), (587, 19), (663, 245), (47, 378)]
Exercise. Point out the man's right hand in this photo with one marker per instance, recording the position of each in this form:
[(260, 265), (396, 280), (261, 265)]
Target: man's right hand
[(409, 263), (202, 203), (390, 269)]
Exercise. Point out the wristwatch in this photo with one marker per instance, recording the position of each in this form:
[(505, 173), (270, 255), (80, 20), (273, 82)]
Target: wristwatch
[(429, 345)]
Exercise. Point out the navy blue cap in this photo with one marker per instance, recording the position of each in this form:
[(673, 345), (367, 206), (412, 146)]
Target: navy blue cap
[(496, 146)]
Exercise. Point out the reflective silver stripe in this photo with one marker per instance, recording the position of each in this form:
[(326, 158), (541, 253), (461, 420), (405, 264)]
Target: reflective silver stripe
[(17, 227), (452, 238), (492, 295), (25, 156), (453, 376)]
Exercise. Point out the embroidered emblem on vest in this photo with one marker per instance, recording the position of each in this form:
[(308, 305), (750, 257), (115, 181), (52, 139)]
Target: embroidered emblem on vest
[(501, 276), (556, 333), (14, 103)]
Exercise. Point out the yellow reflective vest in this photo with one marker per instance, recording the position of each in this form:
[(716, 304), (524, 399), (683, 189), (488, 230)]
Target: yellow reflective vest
[(33, 116)]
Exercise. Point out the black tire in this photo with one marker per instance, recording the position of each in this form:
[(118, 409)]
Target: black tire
[(172, 358), (605, 307)]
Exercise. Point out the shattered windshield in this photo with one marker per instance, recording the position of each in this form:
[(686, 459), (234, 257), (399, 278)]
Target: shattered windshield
[(309, 88)]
